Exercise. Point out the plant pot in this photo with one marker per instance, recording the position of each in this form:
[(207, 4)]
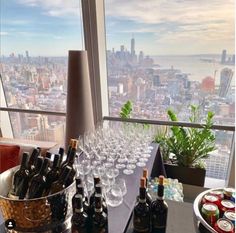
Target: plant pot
[(186, 175)]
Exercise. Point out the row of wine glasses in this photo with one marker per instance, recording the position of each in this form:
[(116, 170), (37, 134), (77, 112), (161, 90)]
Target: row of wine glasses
[(110, 151)]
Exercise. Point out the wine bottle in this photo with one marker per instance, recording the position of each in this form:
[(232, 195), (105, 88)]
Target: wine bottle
[(33, 159), (98, 192), (141, 212), (60, 184), (80, 218), (20, 179), (148, 195), (159, 210), (70, 162), (99, 221), (49, 156), (61, 153), (53, 174), (80, 191), (91, 199), (38, 165), (38, 183), (68, 153)]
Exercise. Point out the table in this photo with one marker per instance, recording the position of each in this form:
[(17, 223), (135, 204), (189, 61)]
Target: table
[(179, 220), (119, 216)]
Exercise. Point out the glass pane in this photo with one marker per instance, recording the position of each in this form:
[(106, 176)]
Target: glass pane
[(171, 54), (35, 39), (38, 127)]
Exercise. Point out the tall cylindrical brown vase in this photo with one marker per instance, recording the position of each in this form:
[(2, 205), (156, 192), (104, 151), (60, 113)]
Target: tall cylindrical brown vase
[(79, 113)]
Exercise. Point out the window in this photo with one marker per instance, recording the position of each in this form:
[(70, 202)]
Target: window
[(35, 38), (170, 54)]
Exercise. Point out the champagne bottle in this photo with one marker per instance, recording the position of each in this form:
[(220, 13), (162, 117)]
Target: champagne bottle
[(60, 184), (159, 210), (32, 159), (38, 183), (99, 219), (141, 212), (148, 195), (20, 179), (80, 191), (53, 174), (80, 218)]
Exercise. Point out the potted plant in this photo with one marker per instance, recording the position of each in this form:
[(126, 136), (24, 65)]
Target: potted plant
[(189, 147)]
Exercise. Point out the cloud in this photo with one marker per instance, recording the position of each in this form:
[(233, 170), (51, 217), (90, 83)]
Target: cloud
[(57, 8), (176, 23), (4, 33)]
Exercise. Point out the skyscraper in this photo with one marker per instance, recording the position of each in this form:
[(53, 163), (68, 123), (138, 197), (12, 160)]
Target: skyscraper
[(225, 79), (132, 47), (223, 56)]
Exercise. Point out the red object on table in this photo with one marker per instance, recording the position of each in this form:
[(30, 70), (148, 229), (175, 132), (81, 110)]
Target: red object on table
[(224, 226), (9, 157)]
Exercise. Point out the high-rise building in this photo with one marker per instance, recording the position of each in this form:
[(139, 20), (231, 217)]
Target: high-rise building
[(225, 80), (132, 47), (27, 56), (208, 85), (223, 56), (141, 56)]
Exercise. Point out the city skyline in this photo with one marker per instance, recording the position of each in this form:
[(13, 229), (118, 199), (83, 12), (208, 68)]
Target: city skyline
[(55, 27)]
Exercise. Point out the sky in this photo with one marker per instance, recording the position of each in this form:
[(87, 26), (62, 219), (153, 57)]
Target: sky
[(160, 27)]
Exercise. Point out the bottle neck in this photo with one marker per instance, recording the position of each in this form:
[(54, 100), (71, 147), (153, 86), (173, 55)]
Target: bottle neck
[(142, 195), (24, 161), (43, 170), (71, 158), (160, 192), (55, 162)]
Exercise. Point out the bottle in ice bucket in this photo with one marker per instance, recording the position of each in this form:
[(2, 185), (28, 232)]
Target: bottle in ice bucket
[(38, 183), (224, 226), (60, 184), (70, 162), (20, 180), (210, 213)]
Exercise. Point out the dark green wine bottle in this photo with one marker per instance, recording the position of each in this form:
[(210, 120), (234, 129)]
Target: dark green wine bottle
[(60, 184), (53, 174), (99, 219), (80, 220), (38, 183), (20, 179), (159, 210), (141, 212)]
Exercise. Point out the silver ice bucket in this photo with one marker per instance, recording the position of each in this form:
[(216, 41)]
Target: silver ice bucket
[(50, 214)]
